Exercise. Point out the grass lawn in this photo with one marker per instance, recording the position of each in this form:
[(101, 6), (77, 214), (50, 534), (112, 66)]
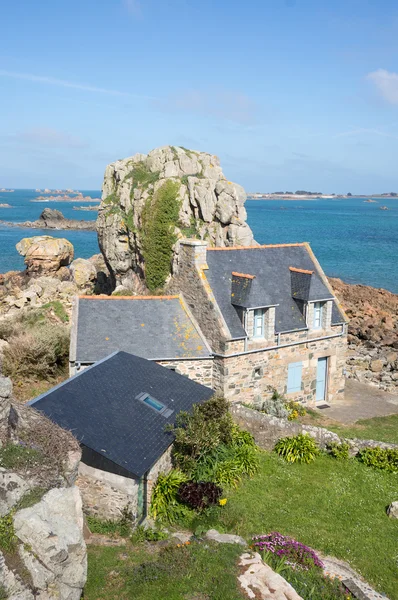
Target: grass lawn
[(382, 429), (194, 572), (336, 507)]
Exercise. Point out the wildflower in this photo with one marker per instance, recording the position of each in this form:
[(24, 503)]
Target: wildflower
[(222, 502)]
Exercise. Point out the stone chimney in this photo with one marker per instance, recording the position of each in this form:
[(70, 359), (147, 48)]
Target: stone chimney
[(193, 252), (5, 398)]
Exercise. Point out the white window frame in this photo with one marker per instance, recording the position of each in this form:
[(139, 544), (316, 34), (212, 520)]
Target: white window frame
[(258, 323), (318, 315)]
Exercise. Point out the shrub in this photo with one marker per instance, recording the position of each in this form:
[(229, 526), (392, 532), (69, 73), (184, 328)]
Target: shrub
[(164, 504), (199, 434), (294, 553), (199, 495), (147, 534), (39, 352), (380, 458), (295, 410), (301, 448), (159, 218), (339, 451)]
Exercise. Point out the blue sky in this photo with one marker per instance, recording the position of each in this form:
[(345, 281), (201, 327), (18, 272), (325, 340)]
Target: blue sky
[(290, 94)]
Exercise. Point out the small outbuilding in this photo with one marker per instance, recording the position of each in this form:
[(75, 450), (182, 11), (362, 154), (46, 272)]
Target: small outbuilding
[(118, 409)]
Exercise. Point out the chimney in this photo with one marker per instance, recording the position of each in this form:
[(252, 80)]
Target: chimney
[(194, 252)]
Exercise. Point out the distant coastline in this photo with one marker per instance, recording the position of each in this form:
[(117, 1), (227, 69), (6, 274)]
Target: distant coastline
[(309, 196)]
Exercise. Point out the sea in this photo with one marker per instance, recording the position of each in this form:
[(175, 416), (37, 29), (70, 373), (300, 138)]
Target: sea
[(352, 239)]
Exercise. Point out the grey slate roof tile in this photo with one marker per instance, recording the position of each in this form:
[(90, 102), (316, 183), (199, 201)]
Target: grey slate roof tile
[(151, 328), (271, 286), (99, 406)]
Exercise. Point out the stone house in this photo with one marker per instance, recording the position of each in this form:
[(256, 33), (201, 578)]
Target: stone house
[(158, 328), (118, 410), (270, 317)]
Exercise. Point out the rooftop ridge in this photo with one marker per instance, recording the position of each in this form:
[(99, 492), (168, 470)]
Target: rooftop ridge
[(246, 275), (257, 247), (104, 297), (296, 270)]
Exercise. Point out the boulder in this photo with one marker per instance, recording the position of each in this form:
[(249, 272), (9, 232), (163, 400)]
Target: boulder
[(12, 489), (210, 207), (45, 254), (376, 366), (84, 273), (225, 538), (5, 398), (392, 510), (51, 214), (260, 581), (52, 530)]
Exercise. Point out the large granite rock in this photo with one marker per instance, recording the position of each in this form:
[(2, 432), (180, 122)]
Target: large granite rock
[(210, 207), (392, 510), (84, 273), (55, 551), (45, 254), (258, 580)]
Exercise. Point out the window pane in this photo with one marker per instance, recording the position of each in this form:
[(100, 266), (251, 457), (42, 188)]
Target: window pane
[(154, 403)]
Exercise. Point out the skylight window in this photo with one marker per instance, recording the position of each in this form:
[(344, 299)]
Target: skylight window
[(153, 403)]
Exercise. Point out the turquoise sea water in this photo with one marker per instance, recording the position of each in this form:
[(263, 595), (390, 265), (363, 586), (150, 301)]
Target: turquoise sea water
[(353, 240)]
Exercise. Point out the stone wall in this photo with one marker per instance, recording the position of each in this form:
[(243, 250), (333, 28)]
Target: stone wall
[(267, 430), (249, 377), (106, 495), (190, 279), (197, 370)]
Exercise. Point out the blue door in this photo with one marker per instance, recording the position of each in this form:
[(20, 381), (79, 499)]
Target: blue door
[(321, 374)]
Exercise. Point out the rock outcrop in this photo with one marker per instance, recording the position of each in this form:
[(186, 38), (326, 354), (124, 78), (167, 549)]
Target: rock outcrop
[(45, 280), (42, 549), (51, 218), (45, 254), (202, 204), (372, 333)]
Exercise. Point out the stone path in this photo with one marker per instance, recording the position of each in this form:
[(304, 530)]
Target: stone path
[(354, 582), (361, 401)]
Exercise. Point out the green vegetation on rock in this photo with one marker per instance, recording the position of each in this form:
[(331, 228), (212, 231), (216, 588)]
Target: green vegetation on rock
[(142, 176), (15, 456), (160, 217)]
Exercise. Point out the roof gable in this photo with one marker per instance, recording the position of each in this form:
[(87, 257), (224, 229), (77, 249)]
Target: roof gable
[(103, 407), (153, 327)]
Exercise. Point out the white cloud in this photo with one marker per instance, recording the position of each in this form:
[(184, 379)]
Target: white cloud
[(69, 84), (364, 131), (232, 106), (47, 137), (386, 83)]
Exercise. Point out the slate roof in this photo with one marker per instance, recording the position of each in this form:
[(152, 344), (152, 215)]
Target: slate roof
[(154, 327), (99, 406), (272, 285)]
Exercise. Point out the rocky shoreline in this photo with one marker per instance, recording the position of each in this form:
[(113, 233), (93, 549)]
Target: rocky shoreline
[(54, 219), (372, 333)]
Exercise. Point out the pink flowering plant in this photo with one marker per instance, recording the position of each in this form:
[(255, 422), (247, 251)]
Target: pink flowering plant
[(287, 550)]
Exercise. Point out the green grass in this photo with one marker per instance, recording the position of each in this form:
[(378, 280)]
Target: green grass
[(336, 507), (14, 456), (195, 572), (382, 429), (108, 527)]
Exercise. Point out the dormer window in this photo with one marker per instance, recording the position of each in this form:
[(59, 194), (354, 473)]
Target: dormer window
[(318, 309), (258, 328)]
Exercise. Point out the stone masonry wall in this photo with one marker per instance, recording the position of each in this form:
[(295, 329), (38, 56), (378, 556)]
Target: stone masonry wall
[(191, 280), (249, 377), (106, 495), (164, 465), (267, 430), (200, 371)]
